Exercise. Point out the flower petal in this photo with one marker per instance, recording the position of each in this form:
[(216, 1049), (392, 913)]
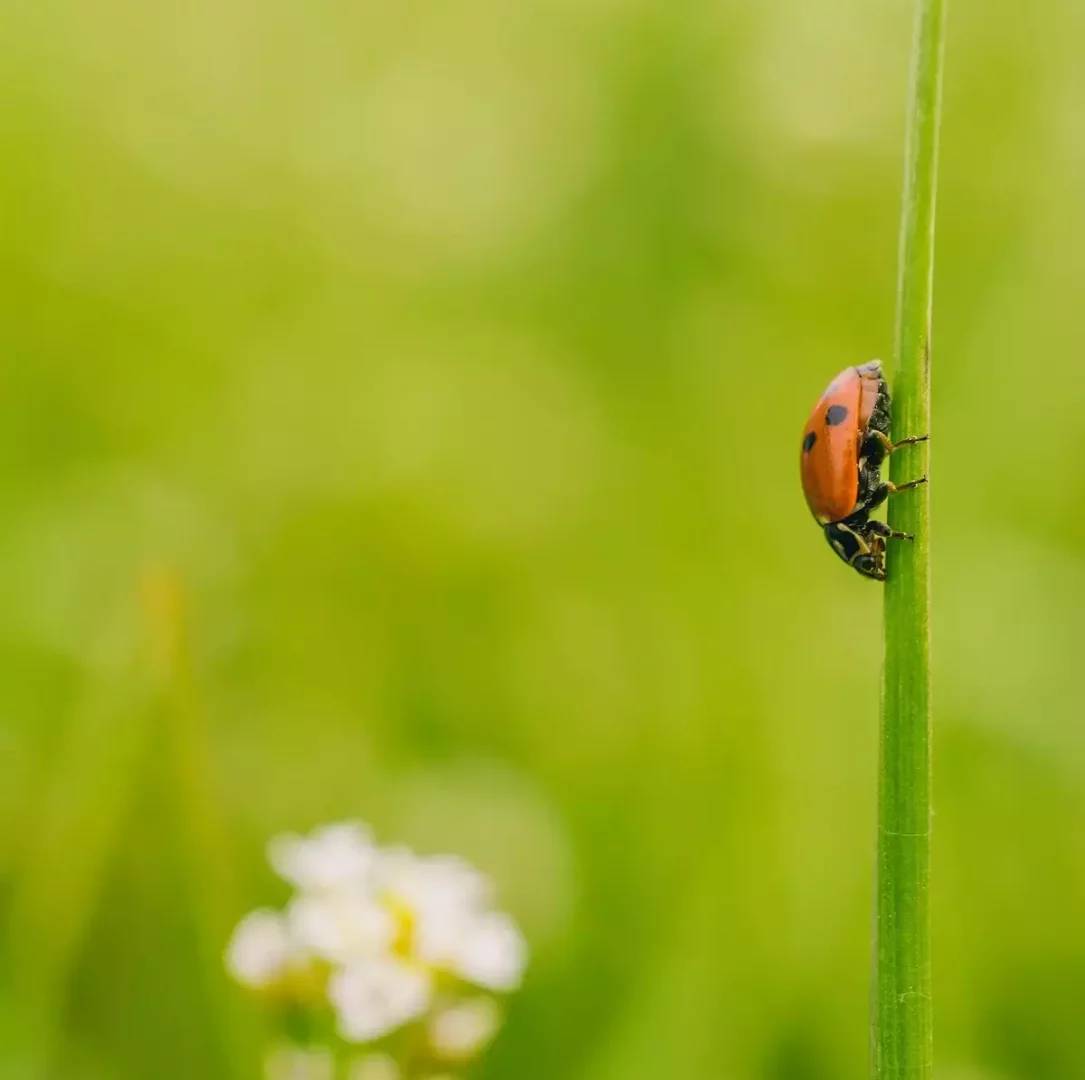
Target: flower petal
[(459, 1031), (342, 926), (492, 953), (260, 949), (432, 882), (289, 1062), (374, 997), (328, 858), (373, 1067)]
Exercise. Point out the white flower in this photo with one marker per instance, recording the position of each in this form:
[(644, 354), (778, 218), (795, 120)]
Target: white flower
[(298, 1063), (458, 1032), (373, 933), (376, 996), (447, 904), (261, 949), (431, 883), (491, 952), (342, 926), (330, 857), (373, 1067), (481, 947)]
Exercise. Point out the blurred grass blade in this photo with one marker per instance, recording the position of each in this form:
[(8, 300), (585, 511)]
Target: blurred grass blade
[(196, 810), (66, 854), (80, 815), (902, 1035)]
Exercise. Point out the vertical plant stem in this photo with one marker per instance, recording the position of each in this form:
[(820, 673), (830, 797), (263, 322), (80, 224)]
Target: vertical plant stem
[(902, 1043)]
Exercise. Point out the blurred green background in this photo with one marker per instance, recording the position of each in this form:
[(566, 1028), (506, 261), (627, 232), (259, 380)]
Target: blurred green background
[(400, 420)]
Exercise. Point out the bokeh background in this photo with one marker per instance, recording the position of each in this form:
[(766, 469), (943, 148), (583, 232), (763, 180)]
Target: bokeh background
[(399, 420)]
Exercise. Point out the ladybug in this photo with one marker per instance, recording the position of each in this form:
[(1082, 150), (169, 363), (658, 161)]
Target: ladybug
[(844, 444)]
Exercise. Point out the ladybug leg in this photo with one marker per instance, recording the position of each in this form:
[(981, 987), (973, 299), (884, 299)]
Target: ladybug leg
[(908, 442), (880, 529), (877, 549), (890, 446), (879, 494), (894, 488)]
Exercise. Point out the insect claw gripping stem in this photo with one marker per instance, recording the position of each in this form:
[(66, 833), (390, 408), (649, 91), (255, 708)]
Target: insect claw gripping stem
[(890, 446), (896, 488), (880, 529), (908, 442)]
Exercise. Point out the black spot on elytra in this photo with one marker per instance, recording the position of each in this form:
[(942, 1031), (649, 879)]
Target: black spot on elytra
[(835, 414), (808, 442)]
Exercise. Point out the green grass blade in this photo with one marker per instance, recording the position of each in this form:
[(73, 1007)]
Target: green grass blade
[(61, 873), (202, 836), (902, 1041)]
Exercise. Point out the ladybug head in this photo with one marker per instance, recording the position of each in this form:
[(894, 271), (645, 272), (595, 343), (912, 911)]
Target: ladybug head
[(855, 548)]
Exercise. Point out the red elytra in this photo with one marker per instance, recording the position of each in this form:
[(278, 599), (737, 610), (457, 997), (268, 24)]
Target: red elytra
[(837, 424)]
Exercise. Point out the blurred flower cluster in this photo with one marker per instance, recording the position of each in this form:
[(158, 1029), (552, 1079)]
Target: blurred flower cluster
[(384, 962)]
